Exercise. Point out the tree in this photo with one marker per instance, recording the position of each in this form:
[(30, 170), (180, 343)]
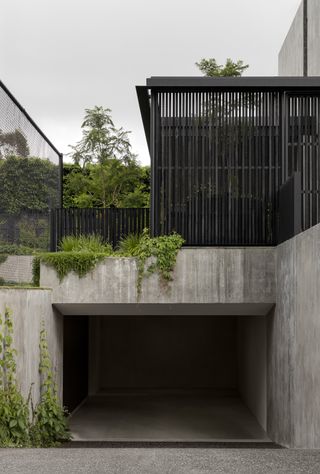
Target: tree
[(105, 172), (100, 141), (211, 68), (13, 144), (112, 184)]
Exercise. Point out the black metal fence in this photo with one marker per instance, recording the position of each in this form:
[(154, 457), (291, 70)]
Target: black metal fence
[(111, 223), (30, 177), (219, 159)]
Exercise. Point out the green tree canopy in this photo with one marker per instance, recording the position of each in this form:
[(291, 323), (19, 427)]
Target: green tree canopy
[(13, 144), (210, 68), (101, 140), (105, 172), (112, 184)]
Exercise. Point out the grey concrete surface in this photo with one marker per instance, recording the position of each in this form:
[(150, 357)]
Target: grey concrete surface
[(252, 365), (290, 60), (29, 307), (313, 38), (160, 416), (201, 276), (17, 268), (159, 461), (293, 344)]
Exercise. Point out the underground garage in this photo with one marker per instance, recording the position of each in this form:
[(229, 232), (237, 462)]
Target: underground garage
[(165, 378)]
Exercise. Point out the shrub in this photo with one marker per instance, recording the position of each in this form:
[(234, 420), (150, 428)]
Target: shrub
[(14, 249), (129, 245), (79, 262), (85, 243)]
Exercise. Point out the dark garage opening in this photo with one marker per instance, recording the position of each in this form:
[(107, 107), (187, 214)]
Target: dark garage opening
[(165, 378)]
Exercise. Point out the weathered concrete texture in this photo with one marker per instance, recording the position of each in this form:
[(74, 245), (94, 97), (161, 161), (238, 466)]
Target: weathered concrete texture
[(17, 268), (29, 308), (201, 275), (290, 60), (293, 344), (252, 365), (313, 38)]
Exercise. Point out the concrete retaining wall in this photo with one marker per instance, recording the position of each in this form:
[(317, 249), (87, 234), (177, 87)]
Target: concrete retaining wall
[(17, 268), (29, 307), (201, 276), (293, 344)]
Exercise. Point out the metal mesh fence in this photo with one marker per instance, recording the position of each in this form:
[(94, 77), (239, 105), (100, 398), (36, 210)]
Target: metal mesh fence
[(30, 178)]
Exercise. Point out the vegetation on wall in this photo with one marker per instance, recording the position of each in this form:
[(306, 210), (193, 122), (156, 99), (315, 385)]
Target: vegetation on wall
[(14, 411), (49, 426), (22, 425), (27, 184), (81, 254)]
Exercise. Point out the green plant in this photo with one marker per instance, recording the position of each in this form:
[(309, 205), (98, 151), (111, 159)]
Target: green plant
[(164, 249), (49, 426), (129, 245), (79, 262), (14, 249), (36, 271), (3, 258), (85, 243), (14, 412)]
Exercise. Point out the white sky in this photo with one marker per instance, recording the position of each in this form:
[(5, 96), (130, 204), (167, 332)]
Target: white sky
[(59, 57)]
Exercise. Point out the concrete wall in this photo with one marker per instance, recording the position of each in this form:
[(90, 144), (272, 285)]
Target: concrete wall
[(252, 365), (293, 344), (290, 60), (29, 307), (161, 352), (201, 276), (17, 268), (291, 56), (313, 38)]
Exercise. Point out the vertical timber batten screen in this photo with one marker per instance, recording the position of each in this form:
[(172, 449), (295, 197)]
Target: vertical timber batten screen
[(216, 166), (110, 223), (30, 178), (302, 151)]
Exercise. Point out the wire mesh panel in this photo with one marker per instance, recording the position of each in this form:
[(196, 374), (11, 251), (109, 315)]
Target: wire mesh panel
[(30, 177), (216, 166)]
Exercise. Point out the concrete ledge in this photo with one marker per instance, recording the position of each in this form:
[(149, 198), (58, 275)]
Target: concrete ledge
[(201, 276)]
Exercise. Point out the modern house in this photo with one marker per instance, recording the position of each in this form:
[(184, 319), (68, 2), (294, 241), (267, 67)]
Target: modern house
[(229, 349)]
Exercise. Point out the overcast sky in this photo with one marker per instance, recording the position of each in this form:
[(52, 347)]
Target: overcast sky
[(59, 57)]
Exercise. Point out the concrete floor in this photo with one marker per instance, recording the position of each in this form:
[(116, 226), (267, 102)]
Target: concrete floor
[(164, 417)]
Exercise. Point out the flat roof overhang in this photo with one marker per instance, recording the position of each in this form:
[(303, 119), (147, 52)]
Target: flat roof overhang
[(232, 84), (147, 309)]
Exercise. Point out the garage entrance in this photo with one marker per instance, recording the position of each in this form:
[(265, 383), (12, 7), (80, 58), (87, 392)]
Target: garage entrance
[(165, 378)]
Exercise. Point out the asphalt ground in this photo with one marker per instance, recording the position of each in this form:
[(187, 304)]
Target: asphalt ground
[(160, 459)]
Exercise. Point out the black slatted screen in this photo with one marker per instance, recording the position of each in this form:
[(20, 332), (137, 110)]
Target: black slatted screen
[(216, 166)]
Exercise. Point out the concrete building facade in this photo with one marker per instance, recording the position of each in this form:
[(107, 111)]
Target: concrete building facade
[(299, 54)]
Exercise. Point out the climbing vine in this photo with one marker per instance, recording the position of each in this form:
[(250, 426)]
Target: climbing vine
[(14, 411), (49, 426), (161, 250), (42, 426)]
